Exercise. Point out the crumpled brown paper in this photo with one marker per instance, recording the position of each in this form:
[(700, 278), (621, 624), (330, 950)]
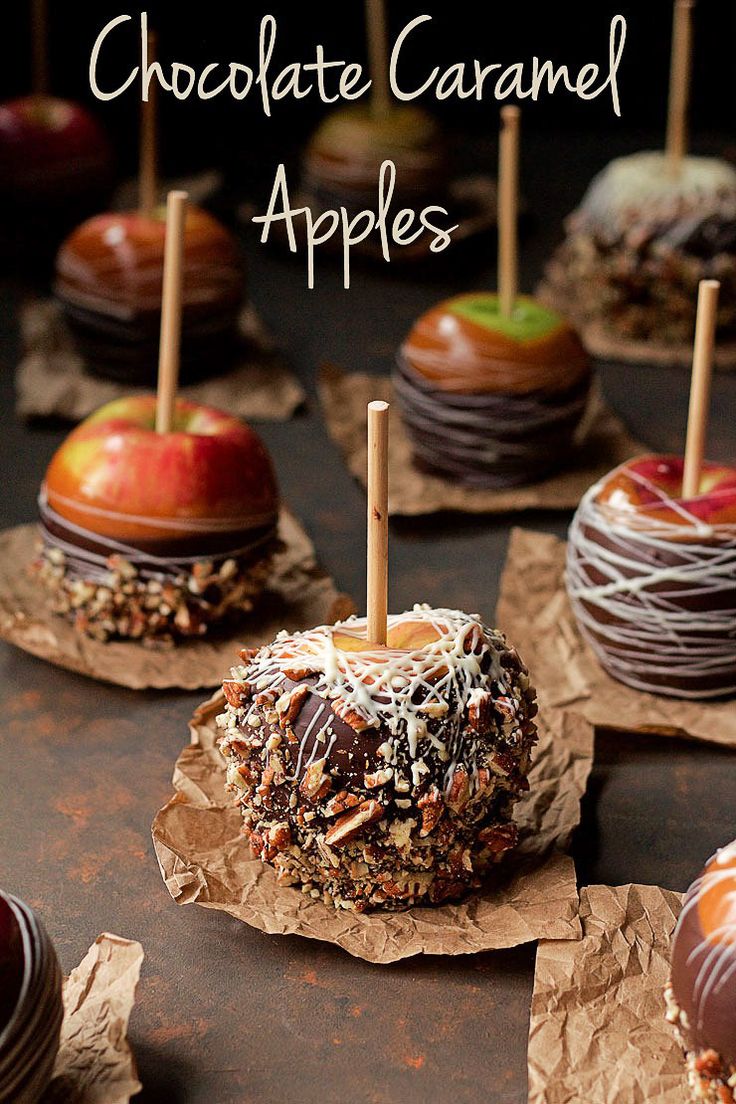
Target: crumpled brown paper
[(52, 381), (344, 397), (95, 1064), (299, 596), (556, 292), (534, 610), (598, 1031), (204, 858)]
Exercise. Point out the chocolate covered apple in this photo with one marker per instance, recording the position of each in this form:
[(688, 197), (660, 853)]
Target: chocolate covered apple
[(30, 1003), (490, 399), (381, 775), (157, 536), (701, 996), (651, 576), (55, 164), (343, 159), (641, 241), (109, 275)]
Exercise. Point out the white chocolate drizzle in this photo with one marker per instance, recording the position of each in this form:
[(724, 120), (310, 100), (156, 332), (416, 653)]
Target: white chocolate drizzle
[(634, 620), (394, 689)]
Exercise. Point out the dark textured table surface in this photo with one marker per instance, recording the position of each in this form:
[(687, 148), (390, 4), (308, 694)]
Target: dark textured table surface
[(225, 1013)]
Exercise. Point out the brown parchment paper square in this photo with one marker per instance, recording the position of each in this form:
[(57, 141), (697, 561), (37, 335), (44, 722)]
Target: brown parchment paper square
[(533, 609), (52, 379), (204, 858), (605, 443), (598, 1031), (559, 293), (299, 596), (95, 1064)]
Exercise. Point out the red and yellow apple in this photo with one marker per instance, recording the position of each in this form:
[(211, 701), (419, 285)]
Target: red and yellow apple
[(11, 962), (49, 147), (117, 477), (651, 487)]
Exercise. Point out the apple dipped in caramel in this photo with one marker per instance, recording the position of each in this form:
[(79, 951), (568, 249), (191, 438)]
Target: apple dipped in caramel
[(651, 576), (157, 536), (109, 274), (491, 399), (701, 996), (343, 159), (380, 775)]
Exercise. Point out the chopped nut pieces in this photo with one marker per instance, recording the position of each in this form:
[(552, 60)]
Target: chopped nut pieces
[(153, 610), (711, 1080)]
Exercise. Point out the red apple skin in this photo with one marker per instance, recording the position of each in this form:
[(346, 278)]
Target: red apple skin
[(47, 144), (715, 503), (211, 467)]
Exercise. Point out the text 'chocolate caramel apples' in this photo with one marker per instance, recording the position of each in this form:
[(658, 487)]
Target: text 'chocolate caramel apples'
[(381, 776), (701, 998), (491, 401), (651, 577), (109, 278), (157, 536)]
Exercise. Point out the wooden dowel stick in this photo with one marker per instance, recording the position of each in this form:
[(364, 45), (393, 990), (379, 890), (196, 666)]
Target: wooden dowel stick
[(375, 22), (168, 357), (39, 37), (377, 521), (697, 420), (147, 169), (508, 210), (680, 72)]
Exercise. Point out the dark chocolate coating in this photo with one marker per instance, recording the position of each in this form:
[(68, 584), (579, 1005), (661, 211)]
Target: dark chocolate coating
[(152, 559), (490, 439), (649, 651), (704, 971)]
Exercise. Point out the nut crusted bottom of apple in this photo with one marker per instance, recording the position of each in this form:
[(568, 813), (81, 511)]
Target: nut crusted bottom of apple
[(641, 293), (162, 610), (386, 866), (710, 1079)]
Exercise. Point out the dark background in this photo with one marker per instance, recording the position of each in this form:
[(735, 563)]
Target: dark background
[(198, 134)]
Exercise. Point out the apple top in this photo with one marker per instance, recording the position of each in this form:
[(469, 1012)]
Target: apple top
[(115, 476), (466, 344), (646, 494), (113, 263), (640, 192)]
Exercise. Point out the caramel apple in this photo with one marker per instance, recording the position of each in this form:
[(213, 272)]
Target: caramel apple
[(30, 1003), (109, 276), (55, 165), (343, 159), (157, 536), (381, 776), (651, 577), (640, 243), (490, 400), (701, 997)]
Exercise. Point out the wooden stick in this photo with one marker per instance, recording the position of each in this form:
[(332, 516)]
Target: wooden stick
[(697, 420), (39, 37), (375, 22), (508, 210), (147, 167), (680, 72), (377, 521), (168, 357)]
